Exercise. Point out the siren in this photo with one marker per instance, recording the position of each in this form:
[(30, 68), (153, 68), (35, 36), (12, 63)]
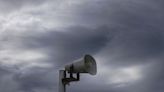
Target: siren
[(87, 64)]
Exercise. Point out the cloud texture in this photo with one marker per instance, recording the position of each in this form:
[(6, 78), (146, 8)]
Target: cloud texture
[(39, 37)]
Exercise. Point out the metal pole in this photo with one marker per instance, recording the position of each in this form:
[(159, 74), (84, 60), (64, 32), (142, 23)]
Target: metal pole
[(62, 87)]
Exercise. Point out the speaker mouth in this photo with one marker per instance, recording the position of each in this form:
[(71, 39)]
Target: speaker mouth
[(90, 64)]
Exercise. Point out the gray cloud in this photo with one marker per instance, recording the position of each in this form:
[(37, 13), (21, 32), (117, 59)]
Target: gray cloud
[(8, 6), (36, 78), (70, 45), (121, 34), (76, 42), (131, 47)]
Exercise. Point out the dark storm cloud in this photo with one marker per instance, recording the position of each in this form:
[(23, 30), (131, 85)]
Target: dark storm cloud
[(138, 42), (7, 84), (75, 42), (138, 24), (60, 47), (135, 47), (127, 14), (123, 32), (3, 71), (36, 78)]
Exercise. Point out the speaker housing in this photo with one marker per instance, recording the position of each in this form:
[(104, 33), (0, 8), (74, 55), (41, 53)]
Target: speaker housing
[(87, 64)]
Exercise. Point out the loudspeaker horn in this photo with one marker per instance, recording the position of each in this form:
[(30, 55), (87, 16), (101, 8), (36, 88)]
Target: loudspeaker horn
[(87, 64)]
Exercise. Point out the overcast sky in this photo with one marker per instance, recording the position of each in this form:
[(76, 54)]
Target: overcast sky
[(38, 37)]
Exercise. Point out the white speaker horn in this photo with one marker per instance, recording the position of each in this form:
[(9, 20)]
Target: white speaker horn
[(87, 64)]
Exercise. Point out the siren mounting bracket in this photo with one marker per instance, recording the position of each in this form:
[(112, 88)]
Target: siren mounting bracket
[(66, 80)]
